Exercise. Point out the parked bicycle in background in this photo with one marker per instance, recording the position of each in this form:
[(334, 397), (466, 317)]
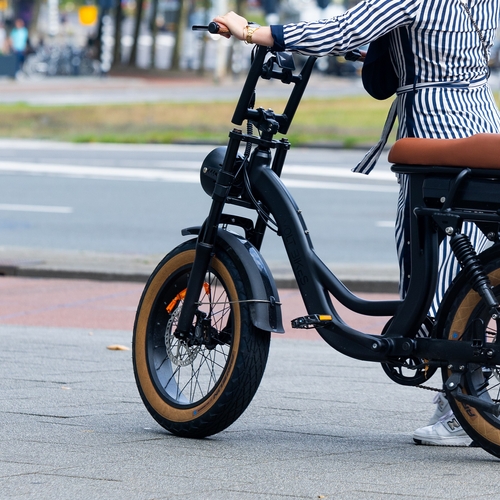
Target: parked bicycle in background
[(65, 60)]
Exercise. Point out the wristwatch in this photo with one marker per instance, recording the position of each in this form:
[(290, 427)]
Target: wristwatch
[(249, 31)]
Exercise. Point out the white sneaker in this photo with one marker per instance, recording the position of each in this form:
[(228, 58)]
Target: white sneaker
[(445, 432), (442, 408)]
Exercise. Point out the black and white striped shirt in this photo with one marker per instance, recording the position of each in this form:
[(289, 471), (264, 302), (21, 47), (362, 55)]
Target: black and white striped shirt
[(445, 47)]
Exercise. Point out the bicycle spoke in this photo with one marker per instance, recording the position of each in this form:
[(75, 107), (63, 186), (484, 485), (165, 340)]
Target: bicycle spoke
[(193, 380)]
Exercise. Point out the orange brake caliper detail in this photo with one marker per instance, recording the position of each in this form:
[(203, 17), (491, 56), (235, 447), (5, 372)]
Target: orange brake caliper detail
[(180, 296)]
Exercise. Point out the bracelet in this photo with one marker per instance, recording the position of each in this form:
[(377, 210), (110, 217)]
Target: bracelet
[(248, 33)]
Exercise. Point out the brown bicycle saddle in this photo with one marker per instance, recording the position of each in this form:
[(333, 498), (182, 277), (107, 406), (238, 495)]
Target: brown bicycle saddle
[(477, 151)]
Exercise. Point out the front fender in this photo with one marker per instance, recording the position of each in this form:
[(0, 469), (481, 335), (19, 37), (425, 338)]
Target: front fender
[(265, 307)]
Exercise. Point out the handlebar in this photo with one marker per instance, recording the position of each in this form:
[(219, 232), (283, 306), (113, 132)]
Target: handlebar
[(255, 72), (258, 69), (297, 93)]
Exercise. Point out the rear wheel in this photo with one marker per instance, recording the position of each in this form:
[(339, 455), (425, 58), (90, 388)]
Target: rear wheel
[(469, 315), (197, 387)]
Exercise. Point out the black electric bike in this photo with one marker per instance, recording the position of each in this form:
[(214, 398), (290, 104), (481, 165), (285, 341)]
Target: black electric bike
[(202, 329)]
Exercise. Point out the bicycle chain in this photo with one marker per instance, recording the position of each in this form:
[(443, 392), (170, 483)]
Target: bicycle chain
[(430, 388), (434, 389)]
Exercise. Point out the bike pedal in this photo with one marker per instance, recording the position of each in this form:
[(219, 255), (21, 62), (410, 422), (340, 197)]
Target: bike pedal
[(311, 321)]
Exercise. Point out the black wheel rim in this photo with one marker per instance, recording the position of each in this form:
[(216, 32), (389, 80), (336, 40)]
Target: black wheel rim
[(185, 375)]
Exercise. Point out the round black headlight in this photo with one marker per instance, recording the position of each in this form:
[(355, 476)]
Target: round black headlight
[(210, 169)]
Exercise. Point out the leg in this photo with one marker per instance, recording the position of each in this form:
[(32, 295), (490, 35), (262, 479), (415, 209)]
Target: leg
[(443, 428)]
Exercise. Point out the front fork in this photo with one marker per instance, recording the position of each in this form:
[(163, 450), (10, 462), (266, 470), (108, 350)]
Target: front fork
[(206, 239), (208, 234)]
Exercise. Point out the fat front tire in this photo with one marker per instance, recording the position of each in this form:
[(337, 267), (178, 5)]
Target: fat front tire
[(200, 387), (467, 312)]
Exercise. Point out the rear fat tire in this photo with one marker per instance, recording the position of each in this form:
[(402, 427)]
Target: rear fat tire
[(197, 391), (482, 427)]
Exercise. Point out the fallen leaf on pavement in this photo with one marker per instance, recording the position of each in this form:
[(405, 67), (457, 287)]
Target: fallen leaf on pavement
[(118, 347)]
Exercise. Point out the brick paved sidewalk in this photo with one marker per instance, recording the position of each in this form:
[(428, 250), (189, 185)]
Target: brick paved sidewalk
[(89, 304)]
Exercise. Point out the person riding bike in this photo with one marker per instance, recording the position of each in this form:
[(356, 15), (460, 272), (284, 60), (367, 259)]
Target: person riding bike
[(439, 52)]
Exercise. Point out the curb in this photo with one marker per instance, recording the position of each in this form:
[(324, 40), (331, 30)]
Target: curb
[(283, 281)]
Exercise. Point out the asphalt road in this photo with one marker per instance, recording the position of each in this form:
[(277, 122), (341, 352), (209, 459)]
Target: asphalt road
[(135, 200)]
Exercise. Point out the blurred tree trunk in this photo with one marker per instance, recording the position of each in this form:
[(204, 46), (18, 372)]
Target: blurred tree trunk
[(117, 50), (179, 34), (154, 32), (138, 19), (35, 13), (240, 9), (203, 50)]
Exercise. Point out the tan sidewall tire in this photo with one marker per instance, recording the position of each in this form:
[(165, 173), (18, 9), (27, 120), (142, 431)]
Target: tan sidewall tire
[(156, 401)]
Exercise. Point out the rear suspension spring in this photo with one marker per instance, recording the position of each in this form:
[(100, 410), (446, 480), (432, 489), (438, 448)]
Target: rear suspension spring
[(468, 259), (473, 268)]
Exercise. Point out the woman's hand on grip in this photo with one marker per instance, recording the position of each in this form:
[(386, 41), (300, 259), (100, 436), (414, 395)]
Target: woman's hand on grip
[(232, 24)]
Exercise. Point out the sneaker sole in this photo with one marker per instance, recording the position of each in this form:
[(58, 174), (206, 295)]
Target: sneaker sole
[(443, 442)]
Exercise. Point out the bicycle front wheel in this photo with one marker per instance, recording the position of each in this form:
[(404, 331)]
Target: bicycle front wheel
[(197, 387), (468, 314)]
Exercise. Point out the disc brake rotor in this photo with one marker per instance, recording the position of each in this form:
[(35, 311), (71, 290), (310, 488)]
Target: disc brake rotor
[(178, 351)]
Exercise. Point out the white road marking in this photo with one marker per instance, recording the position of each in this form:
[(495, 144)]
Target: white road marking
[(340, 186), (36, 208), (339, 172), (183, 172), (99, 172)]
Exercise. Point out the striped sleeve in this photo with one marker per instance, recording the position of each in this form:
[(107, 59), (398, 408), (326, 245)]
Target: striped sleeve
[(366, 21)]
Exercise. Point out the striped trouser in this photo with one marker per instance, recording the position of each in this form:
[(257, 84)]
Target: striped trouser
[(448, 264)]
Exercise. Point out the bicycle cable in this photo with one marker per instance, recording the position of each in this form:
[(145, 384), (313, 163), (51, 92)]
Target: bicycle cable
[(266, 217)]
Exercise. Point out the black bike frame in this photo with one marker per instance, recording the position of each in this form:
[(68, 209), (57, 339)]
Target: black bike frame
[(316, 282)]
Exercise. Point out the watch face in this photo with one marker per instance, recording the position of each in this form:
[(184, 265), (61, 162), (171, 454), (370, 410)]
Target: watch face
[(250, 32)]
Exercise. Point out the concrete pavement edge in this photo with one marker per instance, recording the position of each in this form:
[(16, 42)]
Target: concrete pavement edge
[(24, 262)]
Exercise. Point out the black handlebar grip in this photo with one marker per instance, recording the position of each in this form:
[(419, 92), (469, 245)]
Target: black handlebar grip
[(212, 27)]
